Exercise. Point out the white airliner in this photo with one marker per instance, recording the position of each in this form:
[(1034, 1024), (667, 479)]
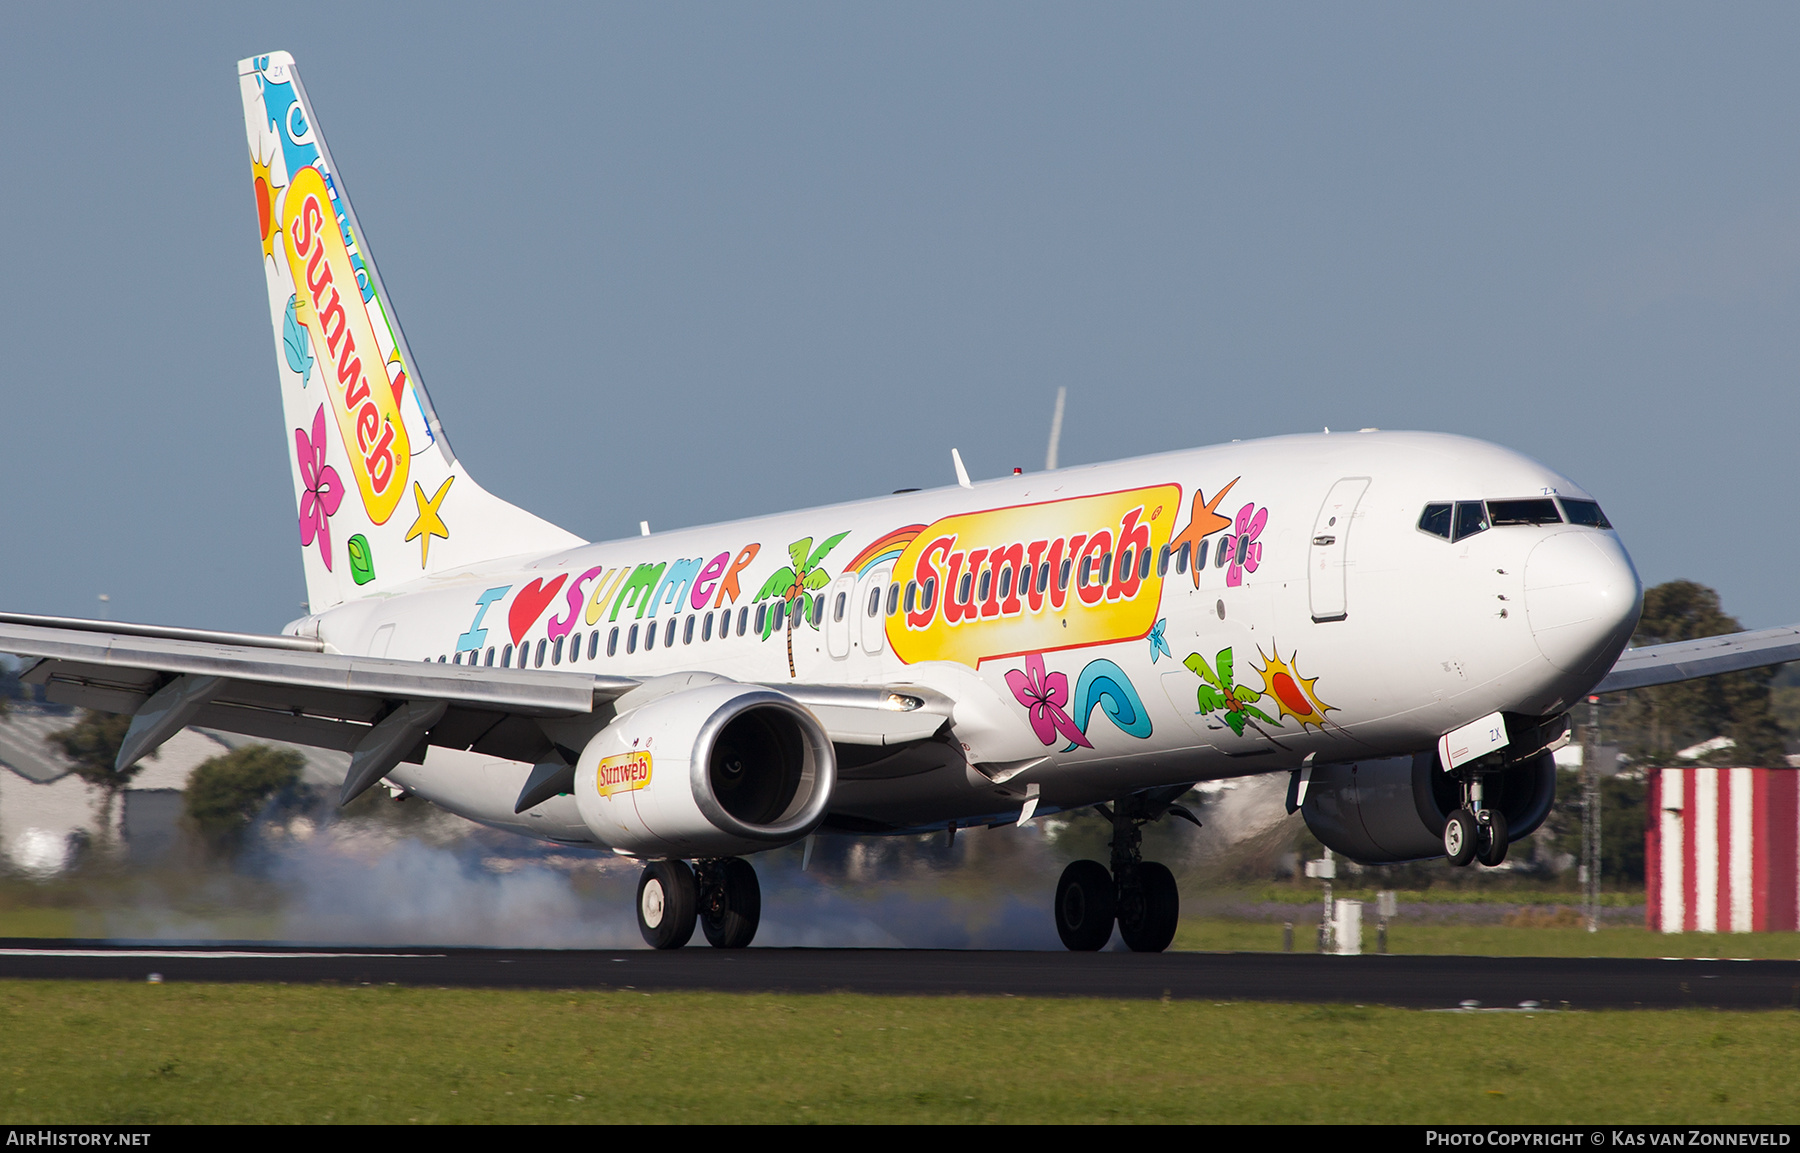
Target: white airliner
[(1400, 621)]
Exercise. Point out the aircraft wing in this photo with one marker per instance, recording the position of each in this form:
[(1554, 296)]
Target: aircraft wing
[(383, 711), (1705, 657), (287, 688)]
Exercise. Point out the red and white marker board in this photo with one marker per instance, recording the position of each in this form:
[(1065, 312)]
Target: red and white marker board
[(1722, 850)]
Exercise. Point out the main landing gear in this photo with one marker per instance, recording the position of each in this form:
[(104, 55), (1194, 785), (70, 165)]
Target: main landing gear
[(1475, 832), (722, 894), (1138, 895)]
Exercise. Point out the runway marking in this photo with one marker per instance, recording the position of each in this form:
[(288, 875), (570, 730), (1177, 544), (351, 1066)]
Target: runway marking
[(191, 954)]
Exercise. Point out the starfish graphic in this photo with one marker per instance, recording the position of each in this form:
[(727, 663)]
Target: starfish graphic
[(1202, 523), (429, 523)]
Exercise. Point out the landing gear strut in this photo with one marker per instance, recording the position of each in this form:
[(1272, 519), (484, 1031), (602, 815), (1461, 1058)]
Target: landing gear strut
[(1139, 895), (723, 894), (1475, 832)]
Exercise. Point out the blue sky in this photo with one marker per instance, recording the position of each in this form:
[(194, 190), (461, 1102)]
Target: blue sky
[(689, 263)]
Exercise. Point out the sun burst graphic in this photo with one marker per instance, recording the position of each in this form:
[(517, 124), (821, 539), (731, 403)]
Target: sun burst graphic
[(1294, 694)]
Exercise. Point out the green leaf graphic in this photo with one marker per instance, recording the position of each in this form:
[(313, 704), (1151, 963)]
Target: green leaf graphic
[(362, 561)]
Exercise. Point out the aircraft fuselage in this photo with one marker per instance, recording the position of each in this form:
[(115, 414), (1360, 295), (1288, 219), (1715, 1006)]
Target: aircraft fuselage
[(1195, 615)]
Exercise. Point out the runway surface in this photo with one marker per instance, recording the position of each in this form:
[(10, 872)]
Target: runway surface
[(1432, 982)]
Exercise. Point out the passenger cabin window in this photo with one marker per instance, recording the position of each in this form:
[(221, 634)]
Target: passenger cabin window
[(650, 636), (762, 618), (1585, 512), (506, 657), (556, 653), (542, 645), (631, 640), (706, 629), (669, 633), (1436, 520), (743, 619), (612, 642), (489, 663), (1471, 518), (893, 605), (594, 644), (1144, 564), (1199, 556), (1162, 561), (687, 631), (818, 610), (1541, 510)]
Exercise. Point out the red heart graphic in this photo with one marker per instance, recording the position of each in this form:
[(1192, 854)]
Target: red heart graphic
[(529, 605)]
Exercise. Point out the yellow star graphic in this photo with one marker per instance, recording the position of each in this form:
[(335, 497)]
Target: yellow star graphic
[(429, 523)]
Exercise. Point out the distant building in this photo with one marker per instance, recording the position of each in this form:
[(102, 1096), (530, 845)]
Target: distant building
[(48, 815), (1608, 757)]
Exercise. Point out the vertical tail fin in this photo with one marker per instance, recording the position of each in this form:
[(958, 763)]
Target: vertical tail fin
[(382, 499)]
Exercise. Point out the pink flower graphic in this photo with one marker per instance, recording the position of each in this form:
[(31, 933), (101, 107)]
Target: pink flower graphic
[(1243, 547), (1047, 697), (323, 490)]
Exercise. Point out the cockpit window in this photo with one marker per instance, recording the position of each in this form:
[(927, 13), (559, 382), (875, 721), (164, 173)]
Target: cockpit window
[(1436, 520), (1585, 512), (1539, 511), (1471, 518)]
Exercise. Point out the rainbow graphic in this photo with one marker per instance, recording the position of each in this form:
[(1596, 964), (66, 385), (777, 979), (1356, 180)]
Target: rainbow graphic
[(884, 551)]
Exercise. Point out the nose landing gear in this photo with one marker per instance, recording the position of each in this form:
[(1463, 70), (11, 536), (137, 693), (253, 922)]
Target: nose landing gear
[(1139, 895), (1475, 832), (723, 894)]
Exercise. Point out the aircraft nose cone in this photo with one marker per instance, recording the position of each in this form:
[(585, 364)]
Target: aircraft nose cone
[(1582, 597)]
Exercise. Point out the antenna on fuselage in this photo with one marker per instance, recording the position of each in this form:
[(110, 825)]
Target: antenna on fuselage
[(1062, 394), (962, 474)]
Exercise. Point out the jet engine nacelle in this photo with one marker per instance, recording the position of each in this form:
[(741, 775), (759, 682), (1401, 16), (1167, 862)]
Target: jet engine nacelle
[(711, 771), (1394, 809)]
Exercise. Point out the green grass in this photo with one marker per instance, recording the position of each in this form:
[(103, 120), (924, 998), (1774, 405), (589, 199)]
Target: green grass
[(1222, 934), (1507, 891), (111, 1053), (40, 923)]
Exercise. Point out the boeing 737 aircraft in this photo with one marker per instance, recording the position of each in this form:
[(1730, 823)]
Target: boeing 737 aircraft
[(1399, 621)]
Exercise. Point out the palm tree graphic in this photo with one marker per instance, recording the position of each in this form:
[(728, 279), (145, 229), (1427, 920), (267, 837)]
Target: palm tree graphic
[(792, 583)]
